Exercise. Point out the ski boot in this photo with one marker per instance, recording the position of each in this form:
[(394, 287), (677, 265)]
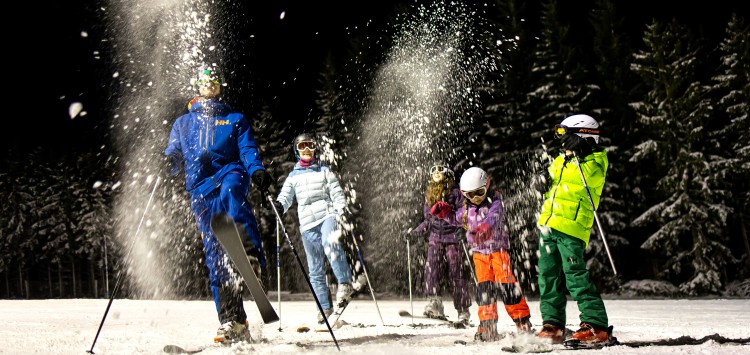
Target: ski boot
[(588, 336), (464, 316), (344, 294), (434, 308), (322, 319), (487, 331), (523, 325), (233, 332), (551, 332)]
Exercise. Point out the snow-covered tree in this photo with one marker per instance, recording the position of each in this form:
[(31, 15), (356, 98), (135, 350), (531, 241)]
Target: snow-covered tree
[(686, 211), (561, 85), (617, 83), (730, 164)]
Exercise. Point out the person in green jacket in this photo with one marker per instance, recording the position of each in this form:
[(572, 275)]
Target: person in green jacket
[(565, 223)]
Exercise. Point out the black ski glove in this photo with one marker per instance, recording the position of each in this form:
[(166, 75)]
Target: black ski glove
[(262, 180), (576, 144), (279, 207)]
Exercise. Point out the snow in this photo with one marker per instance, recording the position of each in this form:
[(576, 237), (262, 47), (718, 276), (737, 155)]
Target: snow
[(69, 326)]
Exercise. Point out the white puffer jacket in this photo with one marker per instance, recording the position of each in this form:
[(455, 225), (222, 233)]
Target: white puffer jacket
[(319, 195)]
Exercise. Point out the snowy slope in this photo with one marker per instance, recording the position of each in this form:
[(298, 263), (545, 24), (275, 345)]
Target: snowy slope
[(146, 326)]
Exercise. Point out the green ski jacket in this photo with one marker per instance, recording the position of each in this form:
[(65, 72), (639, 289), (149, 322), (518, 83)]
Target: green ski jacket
[(566, 205)]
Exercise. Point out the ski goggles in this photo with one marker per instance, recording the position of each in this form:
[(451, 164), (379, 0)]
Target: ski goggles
[(562, 130), (206, 81), (438, 169), (309, 145), (207, 77), (480, 192)]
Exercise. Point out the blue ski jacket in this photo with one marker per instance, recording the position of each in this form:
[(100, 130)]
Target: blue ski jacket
[(210, 141)]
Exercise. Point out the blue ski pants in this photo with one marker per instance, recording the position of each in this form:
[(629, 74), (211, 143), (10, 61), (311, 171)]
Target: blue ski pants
[(229, 197), (319, 247)]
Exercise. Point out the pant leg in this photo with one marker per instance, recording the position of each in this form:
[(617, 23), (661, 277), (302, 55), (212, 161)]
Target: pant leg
[(582, 290), (454, 253), (486, 294), (331, 243), (225, 287), (315, 264), (233, 195), (551, 286), (433, 268), (507, 287)]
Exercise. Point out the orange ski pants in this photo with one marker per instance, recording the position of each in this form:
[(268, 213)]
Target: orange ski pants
[(496, 281)]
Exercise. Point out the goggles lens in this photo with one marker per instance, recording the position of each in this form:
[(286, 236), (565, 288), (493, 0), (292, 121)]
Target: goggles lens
[(476, 193), (206, 82), (562, 130), (306, 145), (437, 169)]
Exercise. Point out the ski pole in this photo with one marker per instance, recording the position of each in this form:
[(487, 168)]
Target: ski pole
[(369, 284), (119, 277), (408, 263), (307, 278), (278, 269), (471, 266), (596, 216)]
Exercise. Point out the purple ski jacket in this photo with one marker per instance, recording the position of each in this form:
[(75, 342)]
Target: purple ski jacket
[(491, 212), (440, 230)]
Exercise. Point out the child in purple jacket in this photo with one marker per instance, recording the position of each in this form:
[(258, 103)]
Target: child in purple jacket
[(483, 217), (444, 247)]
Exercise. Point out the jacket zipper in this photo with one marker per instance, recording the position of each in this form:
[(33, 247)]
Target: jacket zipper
[(555, 193)]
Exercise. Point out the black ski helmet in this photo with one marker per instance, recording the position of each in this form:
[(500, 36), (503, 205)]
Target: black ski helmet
[(304, 137)]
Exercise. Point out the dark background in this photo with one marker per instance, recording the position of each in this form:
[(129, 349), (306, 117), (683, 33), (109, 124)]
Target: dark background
[(51, 64)]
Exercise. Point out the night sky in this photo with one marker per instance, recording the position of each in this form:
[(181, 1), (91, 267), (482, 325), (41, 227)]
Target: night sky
[(55, 65)]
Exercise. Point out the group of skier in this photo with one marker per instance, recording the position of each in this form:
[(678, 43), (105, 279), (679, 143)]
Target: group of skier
[(215, 147)]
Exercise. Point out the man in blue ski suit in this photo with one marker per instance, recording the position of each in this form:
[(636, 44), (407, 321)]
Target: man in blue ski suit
[(216, 148)]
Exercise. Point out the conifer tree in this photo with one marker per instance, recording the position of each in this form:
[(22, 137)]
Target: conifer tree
[(561, 86), (617, 82), (687, 214), (731, 139)]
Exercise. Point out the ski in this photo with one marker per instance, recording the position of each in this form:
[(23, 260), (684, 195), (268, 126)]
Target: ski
[(228, 234), (575, 344), (174, 349), (445, 320), (336, 315), (529, 348)]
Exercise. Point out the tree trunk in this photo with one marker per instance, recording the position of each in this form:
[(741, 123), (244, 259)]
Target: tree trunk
[(59, 278), (73, 274), (7, 284), (94, 291), (49, 280), (20, 282), (743, 233)]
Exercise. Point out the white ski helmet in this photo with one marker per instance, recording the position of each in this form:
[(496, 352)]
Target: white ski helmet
[(583, 126), (474, 179)]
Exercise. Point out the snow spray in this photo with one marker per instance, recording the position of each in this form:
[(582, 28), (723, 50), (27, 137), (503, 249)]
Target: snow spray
[(423, 103), (157, 47)]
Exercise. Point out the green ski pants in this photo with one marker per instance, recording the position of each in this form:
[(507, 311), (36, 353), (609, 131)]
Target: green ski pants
[(561, 255)]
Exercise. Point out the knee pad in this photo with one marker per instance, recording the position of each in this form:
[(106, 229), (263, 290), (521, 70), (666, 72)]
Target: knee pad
[(486, 293), (509, 293)]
